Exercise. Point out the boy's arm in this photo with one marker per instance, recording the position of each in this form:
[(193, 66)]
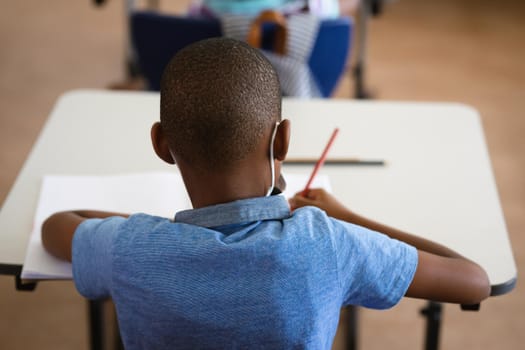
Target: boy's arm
[(441, 275), (58, 230)]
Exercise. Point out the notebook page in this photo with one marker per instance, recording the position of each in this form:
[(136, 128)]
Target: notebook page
[(296, 183)]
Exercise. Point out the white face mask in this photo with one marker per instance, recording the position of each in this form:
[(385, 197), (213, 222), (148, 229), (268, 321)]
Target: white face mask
[(272, 163)]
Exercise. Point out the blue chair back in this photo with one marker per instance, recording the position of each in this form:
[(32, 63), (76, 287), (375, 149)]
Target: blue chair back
[(157, 37)]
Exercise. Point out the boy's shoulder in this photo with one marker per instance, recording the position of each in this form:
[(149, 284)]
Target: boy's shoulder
[(147, 219), (311, 214), (317, 222), (142, 222)]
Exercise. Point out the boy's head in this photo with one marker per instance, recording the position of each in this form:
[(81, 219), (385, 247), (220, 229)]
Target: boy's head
[(220, 99)]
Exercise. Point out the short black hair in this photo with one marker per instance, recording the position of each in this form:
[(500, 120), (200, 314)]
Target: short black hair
[(218, 98)]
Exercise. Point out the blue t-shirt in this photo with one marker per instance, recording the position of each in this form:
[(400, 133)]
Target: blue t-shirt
[(245, 274)]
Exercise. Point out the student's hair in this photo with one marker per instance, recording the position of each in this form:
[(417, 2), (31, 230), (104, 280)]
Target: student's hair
[(219, 97)]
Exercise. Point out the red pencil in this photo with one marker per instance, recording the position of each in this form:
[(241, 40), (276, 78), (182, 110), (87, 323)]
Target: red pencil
[(320, 162)]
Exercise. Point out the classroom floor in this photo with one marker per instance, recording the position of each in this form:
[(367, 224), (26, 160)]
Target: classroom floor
[(451, 50)]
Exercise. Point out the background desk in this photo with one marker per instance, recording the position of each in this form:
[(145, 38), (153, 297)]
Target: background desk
[(437, 182)]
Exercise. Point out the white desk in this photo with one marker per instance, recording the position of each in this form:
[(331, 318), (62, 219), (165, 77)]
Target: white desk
[(437, 181)]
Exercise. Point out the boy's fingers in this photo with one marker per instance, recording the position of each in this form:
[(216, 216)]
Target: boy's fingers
[(314, 193), (299, 201)]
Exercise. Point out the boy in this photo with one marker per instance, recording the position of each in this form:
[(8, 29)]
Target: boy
[(241, 270)]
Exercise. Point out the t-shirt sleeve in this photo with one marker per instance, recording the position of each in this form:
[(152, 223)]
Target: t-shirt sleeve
[(92, 256), (375, 271)]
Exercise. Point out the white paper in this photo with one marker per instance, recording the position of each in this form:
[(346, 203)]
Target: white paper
[(296, 183), (161, 194)]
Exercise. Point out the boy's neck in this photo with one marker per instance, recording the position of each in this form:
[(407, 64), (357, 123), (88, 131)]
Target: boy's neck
[(211, 188)]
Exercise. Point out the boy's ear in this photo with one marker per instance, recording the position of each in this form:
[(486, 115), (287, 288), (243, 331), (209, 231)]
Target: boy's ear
[(160, 144), (282, 140)]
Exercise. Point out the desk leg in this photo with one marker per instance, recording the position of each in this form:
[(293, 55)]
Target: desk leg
[(351, 340), (96, 324), (433, 313), (20, 286)]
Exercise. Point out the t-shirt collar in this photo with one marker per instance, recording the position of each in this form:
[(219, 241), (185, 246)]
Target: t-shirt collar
[(236, 212)]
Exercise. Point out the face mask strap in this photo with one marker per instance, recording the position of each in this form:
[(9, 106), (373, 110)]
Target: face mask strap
[(272, 163)]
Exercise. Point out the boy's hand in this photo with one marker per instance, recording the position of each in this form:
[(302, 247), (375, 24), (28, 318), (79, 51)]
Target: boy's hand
[(318, 197)]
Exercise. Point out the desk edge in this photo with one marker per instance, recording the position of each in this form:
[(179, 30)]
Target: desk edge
[(503, 288)]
